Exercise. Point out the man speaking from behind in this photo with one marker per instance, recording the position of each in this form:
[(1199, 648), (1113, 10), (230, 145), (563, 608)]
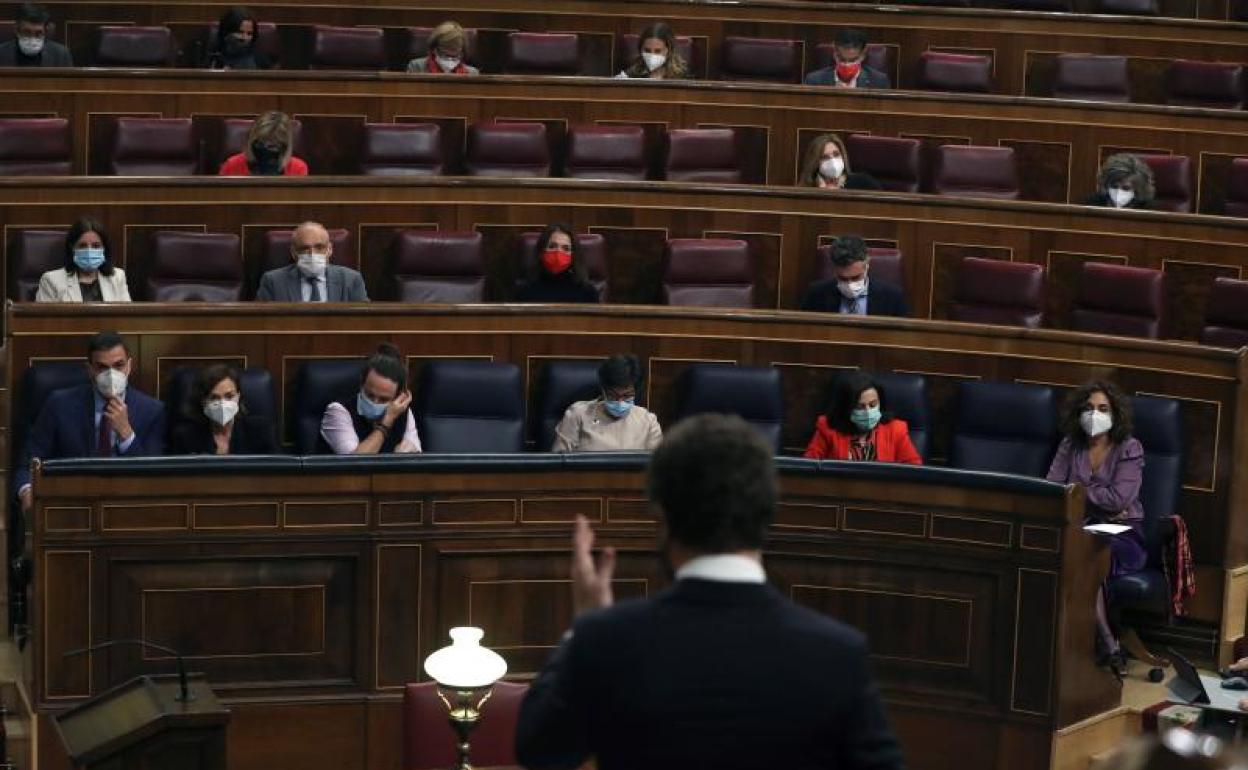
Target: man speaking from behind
[(719, 670)]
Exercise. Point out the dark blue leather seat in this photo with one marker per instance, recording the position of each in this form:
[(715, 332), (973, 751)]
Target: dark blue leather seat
[(317, 385), (560, 384), (256, 386), (907, 399), (38, 382), (471, 406), (1005, 427), (755, 393)]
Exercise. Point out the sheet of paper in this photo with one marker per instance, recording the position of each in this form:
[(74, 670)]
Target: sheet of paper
[(1106, 529)]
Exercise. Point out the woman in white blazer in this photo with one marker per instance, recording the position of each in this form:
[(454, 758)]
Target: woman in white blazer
[(89, 274)]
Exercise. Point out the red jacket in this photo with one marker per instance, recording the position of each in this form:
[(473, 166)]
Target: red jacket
[(236, 165), (892, 443)]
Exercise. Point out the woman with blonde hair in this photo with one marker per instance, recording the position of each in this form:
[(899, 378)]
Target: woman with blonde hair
[(825, 164), (1124, 182), (269, 150), (448, 45), (657, 58)]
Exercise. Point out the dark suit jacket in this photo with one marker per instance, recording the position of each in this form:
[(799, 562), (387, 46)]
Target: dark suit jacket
[(285, 284), (707, 675), (65, 427), (882, 299), (867, 78), (53, 55), (252, 435)]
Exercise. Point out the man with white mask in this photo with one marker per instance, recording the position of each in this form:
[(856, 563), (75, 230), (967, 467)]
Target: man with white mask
[(105, 417), (311, 277), (31, 46), (851, 290)]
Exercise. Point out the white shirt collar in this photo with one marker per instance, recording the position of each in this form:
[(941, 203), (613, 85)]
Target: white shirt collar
[(723, 568)]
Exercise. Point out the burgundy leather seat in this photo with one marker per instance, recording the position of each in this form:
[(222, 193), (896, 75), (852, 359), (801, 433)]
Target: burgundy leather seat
[(1116, 299), (268, 41), (1133, 7), (203, 267), (153, 147), (1237, 189), (975, 172), (401, 149), (626, 52), (543, 53), (606, 152), (993, 291), (1095, 78), (966, 73), (702, 155), (418, 43), (234, 135), (1226, 315), (895, 163), (131, 46), (38, 251), (878, 57), (439, 267), (593, 251), (508, 149), (1205, 84), (764, 59), (708, 272), (348, 48), (885, 264), (1172, 176), (35, 147), (277, 249), (429, 742)]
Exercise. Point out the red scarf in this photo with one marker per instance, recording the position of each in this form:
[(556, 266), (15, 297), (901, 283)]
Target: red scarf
[(431, 66), (1179, 568)]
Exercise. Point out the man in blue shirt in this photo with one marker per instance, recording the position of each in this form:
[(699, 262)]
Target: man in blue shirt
[(849, 68)]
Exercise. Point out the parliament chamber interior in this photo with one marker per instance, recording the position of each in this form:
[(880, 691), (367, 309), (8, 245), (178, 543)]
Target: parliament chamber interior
[(978, 205)]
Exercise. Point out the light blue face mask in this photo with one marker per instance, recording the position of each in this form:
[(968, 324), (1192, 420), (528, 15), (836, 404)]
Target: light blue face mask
[(618, 409), (367, 409), (88, 259), (865, 419)]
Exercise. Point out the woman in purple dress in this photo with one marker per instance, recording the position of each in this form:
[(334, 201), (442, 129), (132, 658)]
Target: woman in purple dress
[(1099, 453)]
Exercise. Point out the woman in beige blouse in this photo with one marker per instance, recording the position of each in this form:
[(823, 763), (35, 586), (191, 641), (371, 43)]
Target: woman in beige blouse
[(612, 422)]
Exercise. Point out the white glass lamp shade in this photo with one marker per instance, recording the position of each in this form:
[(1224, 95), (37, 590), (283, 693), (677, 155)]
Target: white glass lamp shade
[(465, 664)]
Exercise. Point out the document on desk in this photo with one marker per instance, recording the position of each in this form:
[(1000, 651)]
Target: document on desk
[(1106, 529)]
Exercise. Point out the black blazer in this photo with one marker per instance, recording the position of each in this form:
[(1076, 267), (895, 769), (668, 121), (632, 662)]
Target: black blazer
[(707, 674), (556, 290), (252, 435), (882, 299)]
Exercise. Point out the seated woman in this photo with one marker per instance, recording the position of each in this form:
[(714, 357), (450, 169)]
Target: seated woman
[(657, 58), (88, 274), (858, 426), (269, 150), (447, 47), (217, 422), (1124, 182), (826, 165), (1099, 452), (234, 47), (612, 422), (379, 422), (557, 272)]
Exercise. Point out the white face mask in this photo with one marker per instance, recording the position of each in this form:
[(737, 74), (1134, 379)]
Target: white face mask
[(30, 46), (313, 265), (831, 168), (447, 64), (222, 411), (111, 383), (1121, 197), (1095, 423), (654, 60), (852, 289)]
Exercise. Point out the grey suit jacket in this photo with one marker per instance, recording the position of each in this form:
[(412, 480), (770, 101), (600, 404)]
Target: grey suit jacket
[(285, 284), (54, 55)]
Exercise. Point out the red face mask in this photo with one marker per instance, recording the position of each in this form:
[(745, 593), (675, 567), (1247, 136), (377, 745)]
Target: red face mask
[(556, 261), (847, 72)]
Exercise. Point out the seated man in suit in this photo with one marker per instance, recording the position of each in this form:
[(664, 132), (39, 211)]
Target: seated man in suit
[(719, 670), (31, 47), (852, 291), (105, 418), (849, 70), (311, 277)]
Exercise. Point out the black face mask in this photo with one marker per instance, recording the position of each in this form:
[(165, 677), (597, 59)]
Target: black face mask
[(268, 159)]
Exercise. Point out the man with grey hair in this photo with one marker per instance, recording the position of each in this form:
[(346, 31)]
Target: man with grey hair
[(311, 277)]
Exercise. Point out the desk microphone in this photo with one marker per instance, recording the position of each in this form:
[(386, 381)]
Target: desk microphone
[(184, 696)]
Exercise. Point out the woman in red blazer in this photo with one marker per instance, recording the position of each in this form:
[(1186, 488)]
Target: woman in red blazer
[(857, 426), (269, 150)]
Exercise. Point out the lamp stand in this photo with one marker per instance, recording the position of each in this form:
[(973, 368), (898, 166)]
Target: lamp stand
[(464, 716)]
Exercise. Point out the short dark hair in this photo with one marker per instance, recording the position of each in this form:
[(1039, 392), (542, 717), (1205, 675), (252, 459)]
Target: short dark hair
[(850, 37), (846, 390), (388, 362), (1119, 408), (848, 249), (106, 340), (32, 13), (715, 479), (76, 231), (209, 377), (621, 370), (580, 274)]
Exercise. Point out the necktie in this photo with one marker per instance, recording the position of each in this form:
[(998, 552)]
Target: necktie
[(104, 442), (315, 295)]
